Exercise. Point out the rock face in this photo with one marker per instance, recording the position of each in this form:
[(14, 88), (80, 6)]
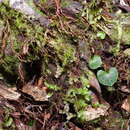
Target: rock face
[(22, 6), (28, 8)]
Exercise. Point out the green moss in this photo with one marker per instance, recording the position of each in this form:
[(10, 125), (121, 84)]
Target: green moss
[(19, 25), (20, 32), (65, 3), (52, 86), (10, 63), (80, 98), (65, 51), (85, 81), (125, 34)]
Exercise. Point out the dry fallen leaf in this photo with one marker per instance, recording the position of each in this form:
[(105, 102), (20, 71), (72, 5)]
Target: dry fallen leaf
[(21, 126), (54, 127), (94, 83), (47, 116), (94, 113), (38, 93), (94, 98), (8, 93), (126, 104), (125, 89), (77, 128)]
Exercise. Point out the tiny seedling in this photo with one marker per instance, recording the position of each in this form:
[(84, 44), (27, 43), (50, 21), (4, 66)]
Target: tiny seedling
[(95, 62), (108, 78)]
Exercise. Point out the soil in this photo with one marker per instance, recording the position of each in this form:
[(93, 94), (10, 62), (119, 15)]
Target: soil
[(49, 66)]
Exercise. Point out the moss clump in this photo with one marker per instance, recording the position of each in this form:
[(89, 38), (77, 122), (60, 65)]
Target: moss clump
[(125, 34), (22, 40), (65, 51)]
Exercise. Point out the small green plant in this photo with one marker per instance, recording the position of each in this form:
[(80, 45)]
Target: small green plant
[(105, 78), (79, 93), (31, 122), (80, 104), (79, 98), (66, 52), (101, 35), (66, 110), (95, 62), (81, 115), (84, 81), (52, 86), (8, 121), (108, 78)]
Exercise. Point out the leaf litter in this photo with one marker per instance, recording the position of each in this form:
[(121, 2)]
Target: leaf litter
[(46, 49)]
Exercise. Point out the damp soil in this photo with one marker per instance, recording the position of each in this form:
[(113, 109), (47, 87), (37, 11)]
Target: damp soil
[(54, 58)]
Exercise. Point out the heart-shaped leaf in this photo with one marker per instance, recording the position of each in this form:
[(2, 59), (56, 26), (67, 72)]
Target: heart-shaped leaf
[(108, 78), (95, 62)]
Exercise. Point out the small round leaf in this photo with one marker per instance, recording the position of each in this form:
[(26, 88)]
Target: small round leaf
[(95, 62)]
